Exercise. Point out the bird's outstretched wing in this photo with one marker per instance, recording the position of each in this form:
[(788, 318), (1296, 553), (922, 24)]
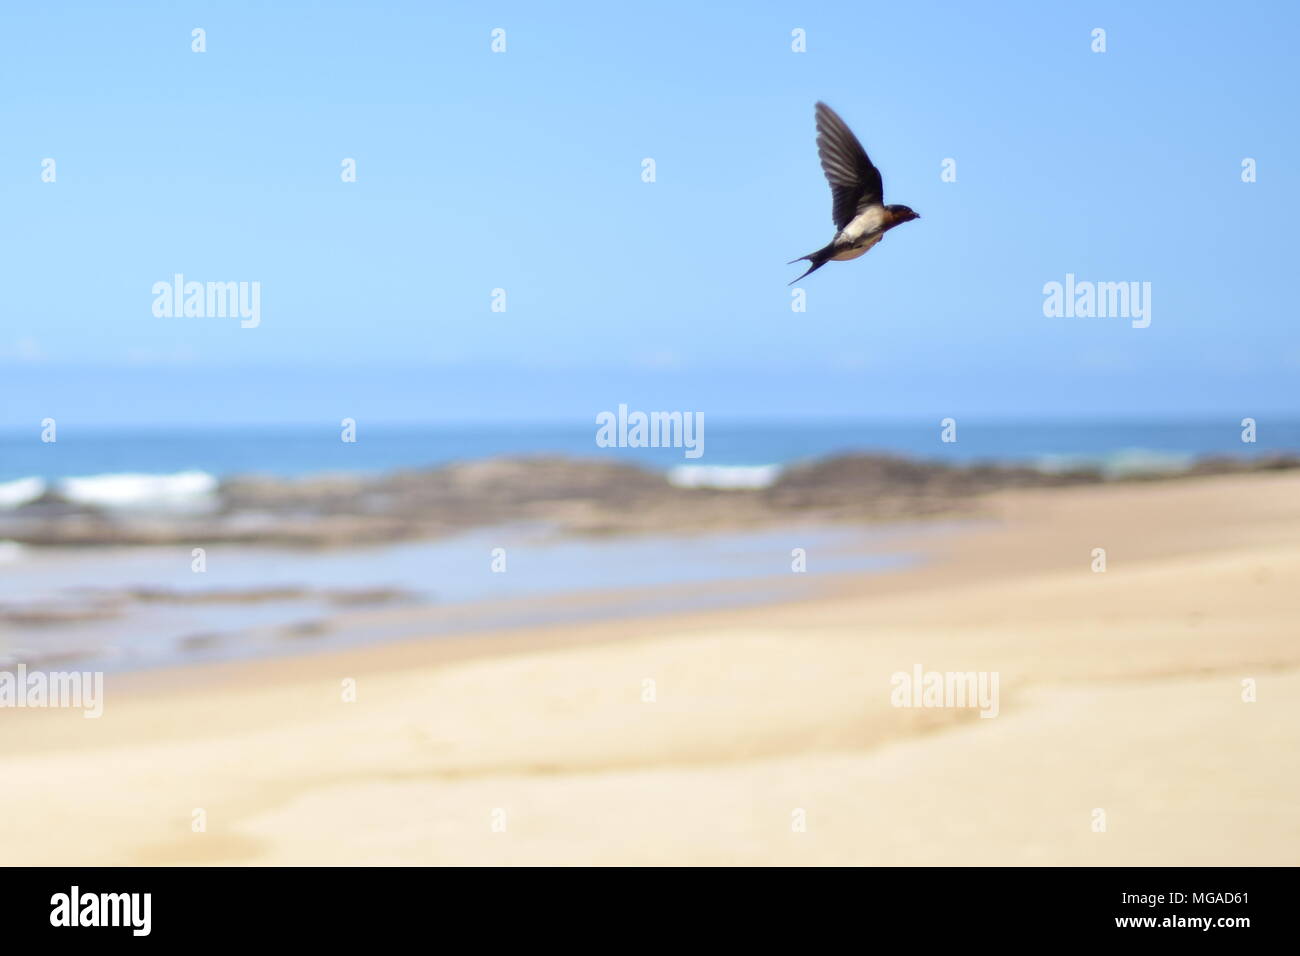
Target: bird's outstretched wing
[(855, 182)]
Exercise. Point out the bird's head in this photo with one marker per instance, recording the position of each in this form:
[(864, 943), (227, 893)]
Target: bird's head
[(902, 214)]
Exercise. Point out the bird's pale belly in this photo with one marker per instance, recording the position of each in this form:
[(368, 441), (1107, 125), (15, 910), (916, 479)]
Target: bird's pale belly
[(852, 252)]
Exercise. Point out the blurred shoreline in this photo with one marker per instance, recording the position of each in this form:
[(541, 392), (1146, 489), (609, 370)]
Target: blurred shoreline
[(573, 496), (126, 608), (203, 571)]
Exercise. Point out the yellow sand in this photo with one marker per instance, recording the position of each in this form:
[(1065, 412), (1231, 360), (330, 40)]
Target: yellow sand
[(1120, 692)]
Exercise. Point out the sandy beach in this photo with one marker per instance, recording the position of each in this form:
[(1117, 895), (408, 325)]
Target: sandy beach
[(770, 738)]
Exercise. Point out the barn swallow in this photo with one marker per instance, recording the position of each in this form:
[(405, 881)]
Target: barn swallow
[(857, 194)]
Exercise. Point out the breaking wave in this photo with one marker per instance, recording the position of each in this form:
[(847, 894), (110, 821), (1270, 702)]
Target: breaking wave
[(728, 477), (182, 491), (14, 494)]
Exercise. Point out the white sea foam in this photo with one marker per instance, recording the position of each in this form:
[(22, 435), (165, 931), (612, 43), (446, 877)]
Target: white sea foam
[(19, 492), (10, 551), (728, 477), (183, 491)]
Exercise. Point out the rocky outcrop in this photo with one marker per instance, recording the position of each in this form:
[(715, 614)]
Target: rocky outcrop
[(572, 495)]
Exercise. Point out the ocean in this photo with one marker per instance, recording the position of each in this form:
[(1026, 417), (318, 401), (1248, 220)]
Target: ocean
[(303, 450)]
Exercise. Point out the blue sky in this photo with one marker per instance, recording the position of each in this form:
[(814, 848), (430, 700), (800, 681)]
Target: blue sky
[(522, 171)]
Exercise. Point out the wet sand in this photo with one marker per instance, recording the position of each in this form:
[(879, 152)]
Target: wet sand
[(1119, 691)]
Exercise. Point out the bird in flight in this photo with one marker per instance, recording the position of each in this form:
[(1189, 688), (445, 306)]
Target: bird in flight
[(861, 218)]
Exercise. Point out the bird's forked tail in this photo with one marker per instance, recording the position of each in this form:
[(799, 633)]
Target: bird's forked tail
[(818, 259)]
